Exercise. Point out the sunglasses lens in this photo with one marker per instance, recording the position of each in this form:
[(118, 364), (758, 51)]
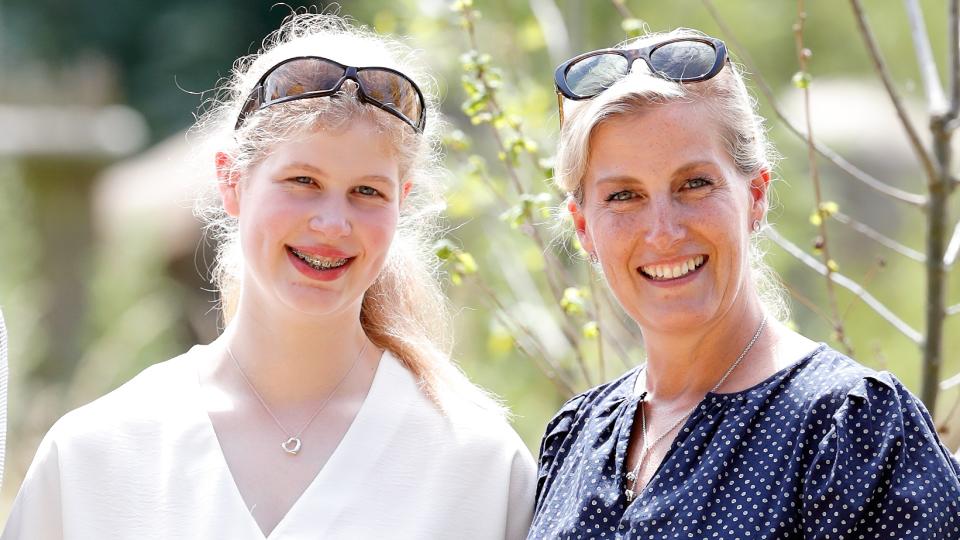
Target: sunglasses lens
[(301, 76), (684, 60), (392, 91), (594, 74)]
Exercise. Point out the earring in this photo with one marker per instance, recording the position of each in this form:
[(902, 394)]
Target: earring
[(756, 225)]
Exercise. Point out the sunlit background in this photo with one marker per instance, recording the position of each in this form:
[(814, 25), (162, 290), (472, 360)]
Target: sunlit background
[(103, 266)]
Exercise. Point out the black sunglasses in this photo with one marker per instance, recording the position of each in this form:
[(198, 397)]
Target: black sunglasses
[(681, 59), (305, 77)]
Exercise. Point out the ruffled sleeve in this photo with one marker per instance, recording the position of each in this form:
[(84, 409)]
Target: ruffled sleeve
[(880, 471), (556, 432)]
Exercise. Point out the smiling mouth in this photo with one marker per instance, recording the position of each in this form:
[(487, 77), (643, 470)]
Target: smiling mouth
[(319, 263), (666, 272)]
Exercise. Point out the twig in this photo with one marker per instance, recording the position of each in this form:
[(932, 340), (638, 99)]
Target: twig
[(936, 101), (941, 186), (622, 8), (601, 334), (552, 265), (803, 55), (553, 28), (878, 62), (953, 39), (867, 280), (874, 234), (953, 247), (848, 284), (949, 383), (858, 174), (810, 304), (554, 373)]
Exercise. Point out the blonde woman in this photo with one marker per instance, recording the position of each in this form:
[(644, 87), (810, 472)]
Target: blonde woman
[(736, 426), (328, 408)]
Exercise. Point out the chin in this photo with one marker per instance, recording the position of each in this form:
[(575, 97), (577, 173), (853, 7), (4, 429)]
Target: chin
[(315, 302), (674, 319)]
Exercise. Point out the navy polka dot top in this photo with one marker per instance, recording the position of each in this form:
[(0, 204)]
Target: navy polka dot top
[(825, 448)]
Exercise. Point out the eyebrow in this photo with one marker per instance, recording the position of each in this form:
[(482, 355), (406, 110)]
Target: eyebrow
[(321, 173), (686, 167)]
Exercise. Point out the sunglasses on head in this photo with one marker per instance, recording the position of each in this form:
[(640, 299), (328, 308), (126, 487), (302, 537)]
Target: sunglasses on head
[(681, 59), (305, 77)]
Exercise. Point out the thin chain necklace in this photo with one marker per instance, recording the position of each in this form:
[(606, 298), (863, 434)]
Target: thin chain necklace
[(630, 489), (293, 443)]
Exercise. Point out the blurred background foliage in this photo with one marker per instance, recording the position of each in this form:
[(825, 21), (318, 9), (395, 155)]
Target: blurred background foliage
[(103, 269)]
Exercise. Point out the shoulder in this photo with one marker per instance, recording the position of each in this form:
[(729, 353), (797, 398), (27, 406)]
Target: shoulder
[(460, 425), (859, 408), (827, 378), (582, 405), (595, 403), (141, 403)]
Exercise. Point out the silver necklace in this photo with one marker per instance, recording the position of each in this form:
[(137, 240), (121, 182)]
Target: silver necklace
[(293, 443), (630, 490)]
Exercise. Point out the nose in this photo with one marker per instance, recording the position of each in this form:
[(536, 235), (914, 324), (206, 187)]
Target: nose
[(331, 218), (664, 228)]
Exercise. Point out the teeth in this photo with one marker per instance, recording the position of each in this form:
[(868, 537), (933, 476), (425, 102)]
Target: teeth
[(319, 263), (660, 271)]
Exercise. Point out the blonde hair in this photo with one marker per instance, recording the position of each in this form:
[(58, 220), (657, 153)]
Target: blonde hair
[(725, 96), (404, 310)]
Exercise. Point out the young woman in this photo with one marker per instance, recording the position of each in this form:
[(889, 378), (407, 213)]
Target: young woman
[(328, 408), (736, 426)]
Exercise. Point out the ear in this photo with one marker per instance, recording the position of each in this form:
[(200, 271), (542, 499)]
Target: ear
[(405, 190), (228, 184), (759, 204), (580, 224)]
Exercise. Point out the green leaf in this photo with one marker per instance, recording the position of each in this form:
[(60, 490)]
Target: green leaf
[(829, 208), (444, 249), (573, 301), (632, 26), (591, 330), (466, 263)]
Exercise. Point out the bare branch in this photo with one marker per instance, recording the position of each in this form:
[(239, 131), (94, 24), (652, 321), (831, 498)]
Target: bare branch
[(622, 9), (803, 55), (936, 101), (953, 51), (553, 28), (857, 173), (950, 382), (597, 321), (953, 248), (848, 284), (542, 358), (874, 234), (914, 138)]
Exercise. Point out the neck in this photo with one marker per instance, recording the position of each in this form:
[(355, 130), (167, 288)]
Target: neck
[(290, 357), (684, 366)]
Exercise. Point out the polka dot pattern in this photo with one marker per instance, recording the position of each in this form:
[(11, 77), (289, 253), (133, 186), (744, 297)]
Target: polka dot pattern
[(825, 449)]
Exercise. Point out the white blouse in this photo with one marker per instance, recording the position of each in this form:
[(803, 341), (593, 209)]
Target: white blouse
[(144, 462)]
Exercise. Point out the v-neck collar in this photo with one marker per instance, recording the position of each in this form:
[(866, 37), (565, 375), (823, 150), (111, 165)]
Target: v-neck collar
[(356, 445)]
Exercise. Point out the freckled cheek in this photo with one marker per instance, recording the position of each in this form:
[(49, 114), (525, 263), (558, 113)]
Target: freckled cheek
[(615, 237)]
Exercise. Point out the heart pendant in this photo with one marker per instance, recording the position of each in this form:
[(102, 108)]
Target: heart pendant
[(291, 446)]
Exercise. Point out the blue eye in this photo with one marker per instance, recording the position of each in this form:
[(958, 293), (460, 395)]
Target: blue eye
[(368, 191), (624, 195), (304, 180), (694, 183)]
